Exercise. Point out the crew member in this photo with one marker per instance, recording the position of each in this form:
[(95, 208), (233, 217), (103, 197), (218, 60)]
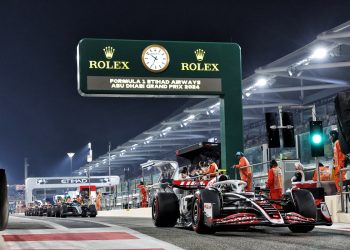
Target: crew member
[(183, 174), (324, 173), (68, 199), (58, 200), (338, 158), (98, 201), (78, 199), (203, 171), (143, 194), (299, 175), (274, 181), (245, 171), (212, 169)]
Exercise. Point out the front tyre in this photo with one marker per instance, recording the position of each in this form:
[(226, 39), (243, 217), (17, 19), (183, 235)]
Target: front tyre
[(165, 210), (301, 229), (63, 211), (198, 224), (305, 206)]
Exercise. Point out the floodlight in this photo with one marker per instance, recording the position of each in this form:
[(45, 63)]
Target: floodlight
[(261, 82), (319, 53)]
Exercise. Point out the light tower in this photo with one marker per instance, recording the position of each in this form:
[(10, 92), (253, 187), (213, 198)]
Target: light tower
[(70, 155)]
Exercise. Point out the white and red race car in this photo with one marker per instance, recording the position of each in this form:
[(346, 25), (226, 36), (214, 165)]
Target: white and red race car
[(224, 204)]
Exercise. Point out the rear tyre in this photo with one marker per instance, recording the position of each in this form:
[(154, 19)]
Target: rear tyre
[(165, 210), (92, 210), (4, 204), (63, 211), (53, 212), (48, 213), (84, 212), (305, 206), (58, 211)]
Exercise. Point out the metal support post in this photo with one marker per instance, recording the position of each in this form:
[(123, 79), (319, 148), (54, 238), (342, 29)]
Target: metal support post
[(26, 165), (313, 112), (341, 191), (90, 198), (318, 172), (109, 174)]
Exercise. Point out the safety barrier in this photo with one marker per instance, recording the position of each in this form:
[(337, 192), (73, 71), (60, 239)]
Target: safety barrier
[(344, 196)]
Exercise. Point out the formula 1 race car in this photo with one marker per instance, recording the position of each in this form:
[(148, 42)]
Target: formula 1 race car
[(29, 211), (224, 204), (43, 209), (34, 208), (88, 210), (68, 209)]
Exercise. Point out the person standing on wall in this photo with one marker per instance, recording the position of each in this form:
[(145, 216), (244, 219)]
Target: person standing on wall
[(338, 158), (299, 175), (325, 174), (274, 181), (98, 201), (143, 194), (245, 171), (212, 169)]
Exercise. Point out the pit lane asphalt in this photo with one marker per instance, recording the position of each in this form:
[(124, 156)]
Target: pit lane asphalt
[(253, 238)]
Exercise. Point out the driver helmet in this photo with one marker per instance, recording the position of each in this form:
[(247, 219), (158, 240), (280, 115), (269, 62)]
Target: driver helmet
[(223, 177)]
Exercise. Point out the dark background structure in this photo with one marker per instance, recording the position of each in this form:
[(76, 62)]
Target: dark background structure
[(43, 117)]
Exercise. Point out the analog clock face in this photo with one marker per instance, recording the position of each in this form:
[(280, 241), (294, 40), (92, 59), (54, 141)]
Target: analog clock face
[(155, 58)]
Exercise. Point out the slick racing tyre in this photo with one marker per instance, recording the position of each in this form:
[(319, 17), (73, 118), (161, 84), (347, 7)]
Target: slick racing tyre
[(58, 211), (165, 210), (198, 220), (63, 211), (305, 206), (48, 213), (92, 211), (4, 204), (84, 211)]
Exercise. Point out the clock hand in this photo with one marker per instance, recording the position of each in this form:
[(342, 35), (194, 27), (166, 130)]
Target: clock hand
[(153, 62), (155, 58)]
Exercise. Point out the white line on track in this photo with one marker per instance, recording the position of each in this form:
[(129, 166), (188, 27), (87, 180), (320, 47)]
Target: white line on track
[(18, 239)]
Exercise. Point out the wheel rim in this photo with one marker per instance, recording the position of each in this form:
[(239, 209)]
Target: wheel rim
[(195, 213), (155, 207)]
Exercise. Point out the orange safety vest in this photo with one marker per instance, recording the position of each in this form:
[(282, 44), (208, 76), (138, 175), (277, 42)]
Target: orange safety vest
[(275, 178), (338, 157), (325, 174), (143, 191), (212, 168), (244, 172)]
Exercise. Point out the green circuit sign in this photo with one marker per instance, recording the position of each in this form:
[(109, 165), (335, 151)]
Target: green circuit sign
[(143, 68)]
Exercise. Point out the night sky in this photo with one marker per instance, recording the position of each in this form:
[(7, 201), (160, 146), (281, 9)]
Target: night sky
[(43, 117)]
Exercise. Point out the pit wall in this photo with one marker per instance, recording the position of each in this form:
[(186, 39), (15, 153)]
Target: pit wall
[(333, 204), (334, 207)]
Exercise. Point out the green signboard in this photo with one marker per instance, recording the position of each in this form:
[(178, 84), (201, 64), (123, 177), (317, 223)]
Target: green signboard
[(129, 68)]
